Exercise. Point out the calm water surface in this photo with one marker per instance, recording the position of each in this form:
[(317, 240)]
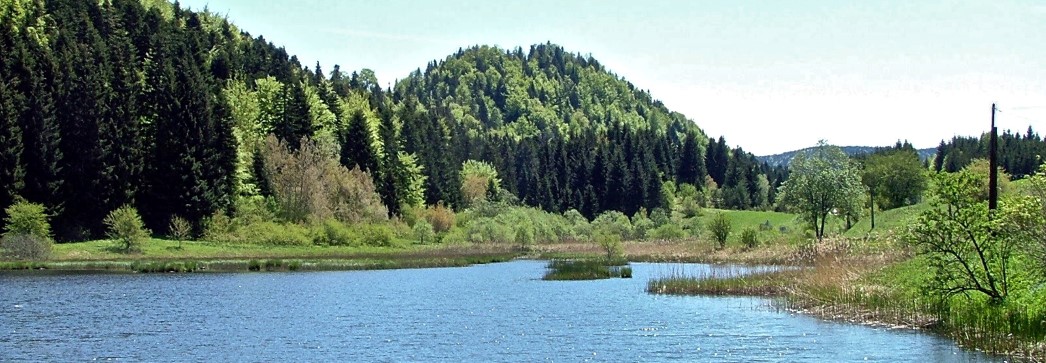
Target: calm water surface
[(497, 312)]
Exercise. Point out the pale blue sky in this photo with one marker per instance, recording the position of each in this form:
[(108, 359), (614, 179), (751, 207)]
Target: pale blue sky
[(771, 76)]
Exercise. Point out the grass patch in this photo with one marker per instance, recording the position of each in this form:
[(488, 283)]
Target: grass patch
[(588, 269), (730, 282)]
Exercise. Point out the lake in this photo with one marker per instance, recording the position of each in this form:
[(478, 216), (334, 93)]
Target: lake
[(484, 313)]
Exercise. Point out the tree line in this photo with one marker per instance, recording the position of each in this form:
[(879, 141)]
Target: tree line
[(147, 104)]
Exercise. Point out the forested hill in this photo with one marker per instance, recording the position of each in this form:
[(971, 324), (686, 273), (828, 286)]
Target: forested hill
[(783, 159), (139, 102)]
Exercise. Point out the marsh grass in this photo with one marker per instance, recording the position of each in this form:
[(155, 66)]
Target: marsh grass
[(733, 280), (588, 269)]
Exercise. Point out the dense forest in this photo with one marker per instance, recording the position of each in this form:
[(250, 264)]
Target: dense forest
[(181, 114), (1019, 154), (142, 103)]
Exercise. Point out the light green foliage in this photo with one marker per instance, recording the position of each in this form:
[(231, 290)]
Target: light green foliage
[(180, 229), (693, 226), (424, 232), (27, 233), (414, 174), (761, 199), (524, 236), (125, 226), (688, 201), (969, 252), (720, 228), (821, 182), (476, 178), (750, 237), (274, 234), (895, 179), (669, 231), (641, 224), (980, 169), (580, 228), (24, 218), (1027, 219), (610, 242), (612, 223), (18, 15)]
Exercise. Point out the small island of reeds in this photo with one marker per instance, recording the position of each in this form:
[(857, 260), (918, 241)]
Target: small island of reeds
[(588, 269)]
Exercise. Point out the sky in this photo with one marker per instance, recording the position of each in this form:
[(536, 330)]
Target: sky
[(769, 76)]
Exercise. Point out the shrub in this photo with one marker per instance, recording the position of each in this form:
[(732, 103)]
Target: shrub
[(720, 228), (180, 229), (613, 222), (524, 236), (611, 244), (126, 227), (424, 232), (749, 237), (693, 227), (25, 247), (640, 226), (334, 233), (376, 235), (668, 231), (440, 217), (274, 234), (218, 228), (24, 218)]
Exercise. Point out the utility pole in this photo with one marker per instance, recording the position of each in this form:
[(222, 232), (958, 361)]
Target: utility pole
[(993, 165)]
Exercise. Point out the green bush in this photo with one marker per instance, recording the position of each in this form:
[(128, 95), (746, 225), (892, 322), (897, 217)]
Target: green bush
[(24, 218), (274, 234), (376, 235), (670, 231), (749, 237), (180, 229), (720, 228), (424, 232), (125, 226), (612, 222), (334, 233), (611, 244)]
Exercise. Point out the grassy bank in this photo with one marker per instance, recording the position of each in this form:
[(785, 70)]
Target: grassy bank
[(886, 290), (171, 256)]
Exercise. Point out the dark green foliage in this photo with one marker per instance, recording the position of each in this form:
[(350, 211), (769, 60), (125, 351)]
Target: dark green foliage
[(356, 140), (1019, 154)]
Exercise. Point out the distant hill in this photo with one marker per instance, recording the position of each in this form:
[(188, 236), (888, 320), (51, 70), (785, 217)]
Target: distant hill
[(784, 158)]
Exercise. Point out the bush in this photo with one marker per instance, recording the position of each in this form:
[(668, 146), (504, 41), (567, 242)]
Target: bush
[(334, 233), (749, 237), (24, 218), (180, 229), (126, 227), (25, 247), (668, 231), (440, 217), (611, 244), (424, 232), (612, 222), (377, 235), (274, 234), (720, 228)]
